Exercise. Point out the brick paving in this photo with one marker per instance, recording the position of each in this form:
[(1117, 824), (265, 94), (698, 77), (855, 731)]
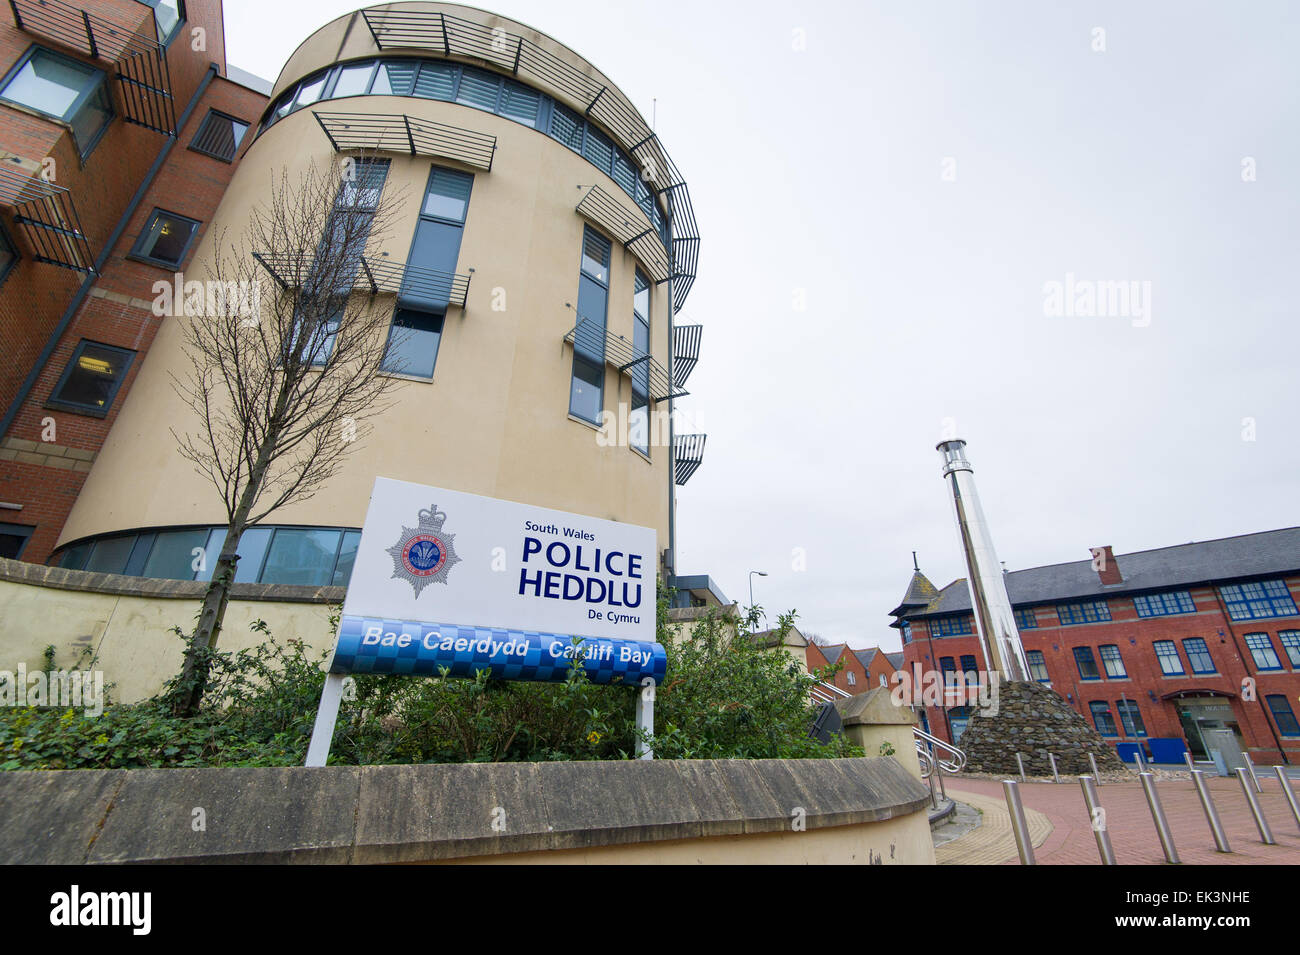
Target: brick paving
[(1070, 840)]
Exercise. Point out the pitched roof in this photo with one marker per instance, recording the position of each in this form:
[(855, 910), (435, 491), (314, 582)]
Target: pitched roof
[(919, 593), (866, 656), (895, 659), (833, 652), (1183, 565)]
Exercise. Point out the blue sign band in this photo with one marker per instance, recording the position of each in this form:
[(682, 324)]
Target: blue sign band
[(377, 645)]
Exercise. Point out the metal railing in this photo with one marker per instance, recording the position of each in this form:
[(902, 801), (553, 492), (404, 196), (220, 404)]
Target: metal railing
[(632, 229), (407, 134), (47, 218), (956, 758), (376, 276), (688, 455), (600, 344)]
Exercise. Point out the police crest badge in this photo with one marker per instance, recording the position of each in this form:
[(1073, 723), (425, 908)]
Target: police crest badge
[(425, 553)]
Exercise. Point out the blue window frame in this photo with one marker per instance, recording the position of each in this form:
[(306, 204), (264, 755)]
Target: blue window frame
[(948, 667), (1291, 646), (1026, 619), (1087, 611), (586, 391), (1254, 601), (1198, 655), (1165, 604), (907, 632), (1112, 661), (1171, 664), (63, 89), (1130, 716), (92, 379), (1037, 666), (1102, 718), (1262, 652), (1283, 715), (952, 626), (1087, 665), (968, 664), (639, 419)]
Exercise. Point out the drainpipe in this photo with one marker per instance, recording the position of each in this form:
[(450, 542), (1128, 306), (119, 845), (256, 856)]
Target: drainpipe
[(80, 295)]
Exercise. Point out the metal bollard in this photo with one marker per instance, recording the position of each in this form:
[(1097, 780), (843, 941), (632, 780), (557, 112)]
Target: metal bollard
[(1211, 814), (1250, 768), (1055, 774), (1141, 759), (1288, 792), (1096, 776), (1265, 833), (1158, 815), (1018, 825), (1187, 758), (1097, 817), (1021, 763)]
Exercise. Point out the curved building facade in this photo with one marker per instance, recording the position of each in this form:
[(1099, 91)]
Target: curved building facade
[(543, 245)]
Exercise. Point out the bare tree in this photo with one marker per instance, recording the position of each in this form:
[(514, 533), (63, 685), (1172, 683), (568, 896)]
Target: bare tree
[(817, 639), (284, 361)]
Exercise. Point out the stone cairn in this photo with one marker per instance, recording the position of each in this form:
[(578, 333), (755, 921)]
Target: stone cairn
[(1034, 720)]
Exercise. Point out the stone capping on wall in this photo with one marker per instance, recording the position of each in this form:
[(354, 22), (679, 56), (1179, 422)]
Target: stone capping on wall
[(430, 812), (39, 575)]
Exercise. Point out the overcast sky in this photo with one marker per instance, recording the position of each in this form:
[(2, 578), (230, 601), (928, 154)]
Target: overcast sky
[(915, 175)]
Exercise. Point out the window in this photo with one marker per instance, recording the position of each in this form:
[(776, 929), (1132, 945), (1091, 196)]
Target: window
[(219, 136), (907, 632), (1131, 718), (302, 556), (13, 539), (165, 239), (1113, 662), (853, 680), (1025, 619), (413, 343), (317, 350), (1102, 718), (435, 248), (586, 391), (968, 664), (8, 255), (1291, 645), (639, 419), (948, 666), (1086, 664), (1261, 650), (1167, 654), (1198, 655), (63, 89), (1283, 715), (92, 378), (1164, 605), (951, 626), (1088, 611), (167, 15), (1265, 598), (1037, 667)]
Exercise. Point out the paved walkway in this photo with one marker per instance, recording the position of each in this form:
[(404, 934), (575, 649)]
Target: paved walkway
[(1062, 834)]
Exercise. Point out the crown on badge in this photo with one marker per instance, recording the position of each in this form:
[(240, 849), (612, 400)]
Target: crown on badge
[(433, 518)]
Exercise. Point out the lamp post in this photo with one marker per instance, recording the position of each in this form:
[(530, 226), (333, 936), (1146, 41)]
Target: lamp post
[(761, 573)]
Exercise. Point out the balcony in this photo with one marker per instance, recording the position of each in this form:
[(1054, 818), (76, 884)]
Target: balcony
[(686, 351), (46, 218), (632, 229), (451, 36), (688, 455), (377, 276), (407, 134), (138, 59), (588, 337)]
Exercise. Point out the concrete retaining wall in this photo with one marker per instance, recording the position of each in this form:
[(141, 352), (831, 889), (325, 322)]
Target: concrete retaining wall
[(855, 811)]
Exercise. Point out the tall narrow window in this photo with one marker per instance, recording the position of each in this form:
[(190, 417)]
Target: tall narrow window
[(1101, 718), (416, 331), (587, 388), (1112, 661), (1291, 644), (1087, 665), (1037, 666), (219, 136), (1131, 717), (1198, 654), (639, 420), (1262, 652), (1167, 655)]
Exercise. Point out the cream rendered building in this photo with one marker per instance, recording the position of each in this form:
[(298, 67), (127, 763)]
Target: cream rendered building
[(566, 201)]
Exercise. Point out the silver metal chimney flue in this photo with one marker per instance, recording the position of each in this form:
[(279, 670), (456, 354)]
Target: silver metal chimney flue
[(994, 619)]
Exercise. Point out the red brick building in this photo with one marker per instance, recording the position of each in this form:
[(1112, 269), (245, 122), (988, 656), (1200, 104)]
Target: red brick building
[(119, 132), (863, 669), (1176, 643)]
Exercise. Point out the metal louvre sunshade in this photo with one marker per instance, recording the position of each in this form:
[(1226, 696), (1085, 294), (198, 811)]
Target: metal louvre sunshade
[(632, 229), (686, 351), (140, 59), (47, 218), (407, 134), (376, 276), (621, 353), (454, 36), (688, 455)]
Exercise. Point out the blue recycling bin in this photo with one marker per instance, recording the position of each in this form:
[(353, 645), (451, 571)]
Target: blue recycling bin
[(1128, 751), (1167, 749)]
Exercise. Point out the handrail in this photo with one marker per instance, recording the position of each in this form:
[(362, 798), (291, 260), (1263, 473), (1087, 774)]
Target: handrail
[(957, 761)]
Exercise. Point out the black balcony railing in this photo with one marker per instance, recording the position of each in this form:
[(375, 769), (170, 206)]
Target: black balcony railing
[(686, 351), (688, 455), (450, 36), (47, 218), (631, 228), (588, 337), (378, 276), (407, 134), (139, 60)]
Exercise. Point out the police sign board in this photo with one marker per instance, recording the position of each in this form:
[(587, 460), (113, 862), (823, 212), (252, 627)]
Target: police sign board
[(455, 581)]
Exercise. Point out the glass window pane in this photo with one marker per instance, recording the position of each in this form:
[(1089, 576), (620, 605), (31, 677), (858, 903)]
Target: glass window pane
[(74, 558), (436, 80), (479, 89), (49, 83), (173, 555), (584, 395), (641, 296), (413, 343), (448, 194), (353, 80), (520, 103), (252, 548), (109, 555), (301, 556), (395, 79), (598, 149), (94, 376), (167, 14), (311, 91), (167, 238), (595, 256), (92, 117), (347, 557), (566, 126)]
